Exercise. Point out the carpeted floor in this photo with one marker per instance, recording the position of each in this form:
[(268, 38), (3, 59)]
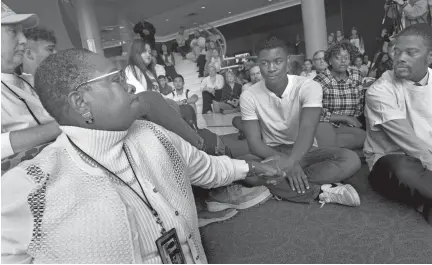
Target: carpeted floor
[(379, 231)]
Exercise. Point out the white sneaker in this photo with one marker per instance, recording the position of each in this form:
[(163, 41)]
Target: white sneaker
[(237, 197), (341, 193)]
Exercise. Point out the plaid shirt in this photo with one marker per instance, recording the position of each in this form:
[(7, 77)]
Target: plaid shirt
[(342, 97)]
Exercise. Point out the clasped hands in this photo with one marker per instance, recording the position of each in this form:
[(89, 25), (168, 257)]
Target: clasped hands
[(276, 168)]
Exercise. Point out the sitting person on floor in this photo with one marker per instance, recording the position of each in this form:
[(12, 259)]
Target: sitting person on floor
[(108, 179), (209, 86), (229, 95), (215, 60), (398, 144), (140, 71), (255, 75), (168, 61), (165, 89), (280, 115), (24, 122), (343, 100), (308, 71), (180, 95), (319, 62)]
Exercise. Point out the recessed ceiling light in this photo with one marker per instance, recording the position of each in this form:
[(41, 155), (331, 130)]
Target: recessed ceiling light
[(167, 19), (195, 23), (203, 7), (229, 12)]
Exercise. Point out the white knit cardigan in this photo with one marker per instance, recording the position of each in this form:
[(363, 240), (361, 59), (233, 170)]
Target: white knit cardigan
[(79, 212)]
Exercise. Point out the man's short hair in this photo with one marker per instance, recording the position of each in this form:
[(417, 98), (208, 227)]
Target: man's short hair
[(40, 33), (271, 43), (178, 76), (422, 30), (161, 76), (59, 74)]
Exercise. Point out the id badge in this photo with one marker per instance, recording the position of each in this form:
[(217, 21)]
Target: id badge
[(170, 249)]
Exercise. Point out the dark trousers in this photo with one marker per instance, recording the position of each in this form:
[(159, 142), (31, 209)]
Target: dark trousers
[(402, 178), (207, 101), (201, 61)]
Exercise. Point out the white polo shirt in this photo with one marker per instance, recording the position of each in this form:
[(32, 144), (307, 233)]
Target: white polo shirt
[(280, 117), (14, 113), (178, 97)]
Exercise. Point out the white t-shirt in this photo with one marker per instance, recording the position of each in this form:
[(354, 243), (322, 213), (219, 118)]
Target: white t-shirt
[(208, 85), (14, 113), (391, 99), (179, 97), (140, 84), (280, 117)]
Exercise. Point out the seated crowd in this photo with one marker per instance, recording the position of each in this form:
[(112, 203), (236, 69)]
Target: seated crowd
[(108, 165)]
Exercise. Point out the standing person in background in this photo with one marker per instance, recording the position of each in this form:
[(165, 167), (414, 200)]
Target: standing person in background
[(411, 11), (209, 85), (300, 48), (319, 61), (197, 45), (25, 123), (147, 32), (357, 40), (205, 59), (169, 62), (140, 71), (308, 72), (343, 100), (181, 39)]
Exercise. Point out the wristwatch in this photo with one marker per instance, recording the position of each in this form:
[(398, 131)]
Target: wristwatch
[(251, 168)]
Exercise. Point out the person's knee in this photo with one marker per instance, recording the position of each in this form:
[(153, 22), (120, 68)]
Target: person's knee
[(237, 122), (402, 166), (349, 161), (325, 135)]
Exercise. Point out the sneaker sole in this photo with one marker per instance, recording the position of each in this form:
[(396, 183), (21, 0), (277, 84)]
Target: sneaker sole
[(218, 206), (354, 195), (203, 222)]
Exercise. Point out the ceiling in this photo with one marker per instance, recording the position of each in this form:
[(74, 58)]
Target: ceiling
[(168, 15)]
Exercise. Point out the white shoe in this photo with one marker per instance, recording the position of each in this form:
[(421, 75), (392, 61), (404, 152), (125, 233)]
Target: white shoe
[(341, 193), (206, 217)]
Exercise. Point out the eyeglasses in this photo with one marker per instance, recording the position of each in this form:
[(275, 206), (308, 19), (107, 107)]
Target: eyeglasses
[(122, 78), (318, 59)]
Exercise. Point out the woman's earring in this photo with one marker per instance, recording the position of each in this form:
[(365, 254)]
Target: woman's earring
[(88, 117)]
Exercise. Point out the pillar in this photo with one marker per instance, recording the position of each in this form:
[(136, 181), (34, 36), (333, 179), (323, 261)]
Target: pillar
[(314, 24), (88, 25), (125, 29)]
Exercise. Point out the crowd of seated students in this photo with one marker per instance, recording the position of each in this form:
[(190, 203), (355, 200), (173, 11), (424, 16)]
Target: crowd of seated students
[(122, 157)]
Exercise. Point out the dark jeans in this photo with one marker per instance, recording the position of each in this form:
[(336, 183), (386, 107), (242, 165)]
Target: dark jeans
[(321, 166), (201, 61), (207, 101), (402, 178)]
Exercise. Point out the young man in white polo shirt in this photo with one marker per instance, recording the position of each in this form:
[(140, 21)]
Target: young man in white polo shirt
[(280, 116), (398, 144)]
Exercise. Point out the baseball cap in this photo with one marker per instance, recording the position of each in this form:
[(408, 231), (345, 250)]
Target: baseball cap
[(10, 17)]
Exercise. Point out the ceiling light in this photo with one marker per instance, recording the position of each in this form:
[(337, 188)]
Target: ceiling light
[(167, 19), (195, 23), (203, 7), (229, 12)]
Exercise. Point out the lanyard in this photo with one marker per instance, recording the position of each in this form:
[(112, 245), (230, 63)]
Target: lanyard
[(23, 100), (146, 201)]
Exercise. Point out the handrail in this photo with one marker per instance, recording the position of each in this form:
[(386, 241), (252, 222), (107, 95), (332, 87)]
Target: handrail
[(240, 57), (221, 43)]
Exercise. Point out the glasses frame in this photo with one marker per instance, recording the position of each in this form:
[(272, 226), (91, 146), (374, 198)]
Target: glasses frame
[(97, 78)]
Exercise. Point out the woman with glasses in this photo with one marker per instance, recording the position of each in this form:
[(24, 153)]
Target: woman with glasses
[(140, 71), (343, 100), (229, 95), (110, 189)]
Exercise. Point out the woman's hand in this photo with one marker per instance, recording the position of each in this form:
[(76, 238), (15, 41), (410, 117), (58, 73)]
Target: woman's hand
[(265, 173), (352, 121)]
